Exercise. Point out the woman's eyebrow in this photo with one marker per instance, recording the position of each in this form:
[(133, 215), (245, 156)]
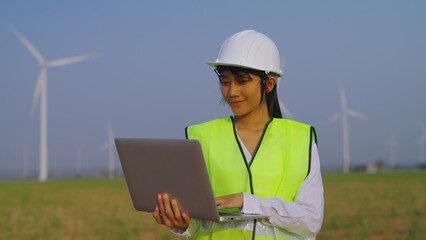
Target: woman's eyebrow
[(224, 77)]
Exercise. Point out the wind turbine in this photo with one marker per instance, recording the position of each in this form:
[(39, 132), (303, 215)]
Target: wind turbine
[(392, 149), (41, 93), (422, 143), (345, 111), (109, 144)]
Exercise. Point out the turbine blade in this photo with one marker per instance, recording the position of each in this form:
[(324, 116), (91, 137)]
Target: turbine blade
[(332, 119), (357, 114), (37, 91), (285, 110), (70, 60), (28, 45)]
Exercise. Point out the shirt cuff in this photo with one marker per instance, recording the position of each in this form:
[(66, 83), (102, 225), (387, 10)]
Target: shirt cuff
[(177, 231), (251, 204), (192, 228)]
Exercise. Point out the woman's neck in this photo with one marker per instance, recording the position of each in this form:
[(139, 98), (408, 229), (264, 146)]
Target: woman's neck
[(255, 120)]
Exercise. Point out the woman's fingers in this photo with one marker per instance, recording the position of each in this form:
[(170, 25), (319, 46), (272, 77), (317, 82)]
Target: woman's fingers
[(167, 208), (160, 203), (176, 211), (168, 213), (219, 202), (163, 202), (156, 215), (172, 210), (230, 201), (186, 218)]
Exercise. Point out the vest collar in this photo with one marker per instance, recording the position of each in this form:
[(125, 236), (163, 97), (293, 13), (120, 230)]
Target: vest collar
[(258, 144)]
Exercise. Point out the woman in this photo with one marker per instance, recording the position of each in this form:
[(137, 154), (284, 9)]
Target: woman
[(258, 162)]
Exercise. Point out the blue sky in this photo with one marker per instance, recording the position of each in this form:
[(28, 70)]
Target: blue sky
[(151, 80)]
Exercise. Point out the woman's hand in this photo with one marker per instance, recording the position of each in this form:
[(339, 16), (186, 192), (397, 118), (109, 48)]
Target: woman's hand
[(230, 201), (168, 213)]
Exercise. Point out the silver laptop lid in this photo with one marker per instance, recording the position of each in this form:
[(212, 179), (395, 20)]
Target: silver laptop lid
[(177, 167)]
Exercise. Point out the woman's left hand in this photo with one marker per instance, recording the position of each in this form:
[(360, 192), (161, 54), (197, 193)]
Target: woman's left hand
[(168, 213), (230, 201)]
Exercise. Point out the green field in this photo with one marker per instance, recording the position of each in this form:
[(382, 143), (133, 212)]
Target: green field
[(357, 206)]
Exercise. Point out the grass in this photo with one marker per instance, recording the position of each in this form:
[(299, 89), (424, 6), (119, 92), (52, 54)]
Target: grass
[(374, 206), (72, 209), (357, 206)]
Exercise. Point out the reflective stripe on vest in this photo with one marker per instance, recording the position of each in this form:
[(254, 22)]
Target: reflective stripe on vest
[(243, 230), (278, 167)]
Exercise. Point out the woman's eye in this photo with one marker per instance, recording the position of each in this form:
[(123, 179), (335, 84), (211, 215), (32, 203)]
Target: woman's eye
[(223, 80), (243, 80), (242, 76)]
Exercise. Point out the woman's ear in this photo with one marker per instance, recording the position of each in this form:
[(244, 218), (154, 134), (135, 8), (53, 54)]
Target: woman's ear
[(270, 83)]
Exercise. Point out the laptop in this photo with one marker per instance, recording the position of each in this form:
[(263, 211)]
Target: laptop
[(173, 166)]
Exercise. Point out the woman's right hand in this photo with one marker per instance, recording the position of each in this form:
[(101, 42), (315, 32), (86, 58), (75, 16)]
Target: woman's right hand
[(168, 213)]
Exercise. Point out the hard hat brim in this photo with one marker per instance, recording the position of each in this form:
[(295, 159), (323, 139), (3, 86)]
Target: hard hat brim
[(215, 64)]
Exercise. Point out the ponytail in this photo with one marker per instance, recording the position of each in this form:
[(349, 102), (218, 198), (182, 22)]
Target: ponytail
[(273, 104)]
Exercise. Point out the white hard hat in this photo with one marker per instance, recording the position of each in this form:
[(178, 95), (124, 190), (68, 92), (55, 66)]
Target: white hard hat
[(249, 49)]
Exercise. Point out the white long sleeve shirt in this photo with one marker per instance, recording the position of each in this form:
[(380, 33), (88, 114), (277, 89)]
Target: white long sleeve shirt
[(302, 217)]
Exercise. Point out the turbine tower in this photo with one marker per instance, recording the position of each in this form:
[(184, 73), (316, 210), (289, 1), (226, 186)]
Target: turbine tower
[(109, 144), (422, 143), (392, 149), (41, 93), (345, 111)]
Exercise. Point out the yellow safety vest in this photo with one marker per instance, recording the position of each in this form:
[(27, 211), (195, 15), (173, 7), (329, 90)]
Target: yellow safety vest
[(278, 166)]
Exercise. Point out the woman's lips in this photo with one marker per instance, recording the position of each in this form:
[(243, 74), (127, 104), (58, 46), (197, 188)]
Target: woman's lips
[(237, 103)]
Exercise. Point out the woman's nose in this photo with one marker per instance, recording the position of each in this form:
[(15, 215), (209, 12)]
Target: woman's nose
[(233, 89)]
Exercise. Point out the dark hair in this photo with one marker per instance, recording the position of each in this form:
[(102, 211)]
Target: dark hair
[(272, 102), (270, 97)]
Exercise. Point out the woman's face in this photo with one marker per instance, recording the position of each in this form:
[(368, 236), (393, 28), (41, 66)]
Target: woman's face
[(241, 91)]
